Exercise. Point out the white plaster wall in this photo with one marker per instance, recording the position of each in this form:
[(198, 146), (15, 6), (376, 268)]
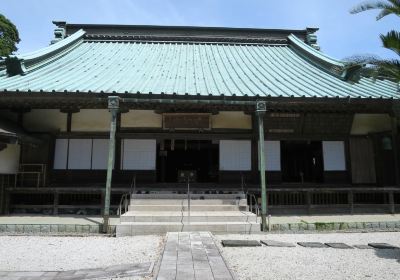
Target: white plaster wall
[(141, 118), (9, 159), (238, 120), (91, 120), (366, 123), (45, 120)]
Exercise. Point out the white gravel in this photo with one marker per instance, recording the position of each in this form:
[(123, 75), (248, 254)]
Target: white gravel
[(309, 263), (46, 253)]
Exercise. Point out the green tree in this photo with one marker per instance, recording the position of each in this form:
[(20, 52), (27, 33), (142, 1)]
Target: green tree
[(9, 36), (384, 68)]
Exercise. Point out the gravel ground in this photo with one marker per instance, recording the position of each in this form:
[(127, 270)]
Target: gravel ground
[(309, 263), (47, 253)]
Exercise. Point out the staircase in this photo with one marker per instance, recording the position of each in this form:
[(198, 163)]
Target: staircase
[(161, 213)]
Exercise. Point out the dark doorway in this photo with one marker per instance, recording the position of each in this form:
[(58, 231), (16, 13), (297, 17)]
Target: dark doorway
[(200, 156), (302, 161)]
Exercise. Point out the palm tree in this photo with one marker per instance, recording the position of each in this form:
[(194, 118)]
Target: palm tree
[(385, 68)]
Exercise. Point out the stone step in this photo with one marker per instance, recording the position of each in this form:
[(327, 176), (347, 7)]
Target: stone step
[(185, 201), (129, 229), (185, 208), (212, 216), (169, 195)]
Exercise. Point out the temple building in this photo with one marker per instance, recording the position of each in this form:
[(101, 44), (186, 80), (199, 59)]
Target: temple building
[(193, 99)]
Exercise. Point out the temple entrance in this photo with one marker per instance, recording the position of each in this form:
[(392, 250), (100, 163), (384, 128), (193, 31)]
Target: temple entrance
[(302, 161), (200, 156)]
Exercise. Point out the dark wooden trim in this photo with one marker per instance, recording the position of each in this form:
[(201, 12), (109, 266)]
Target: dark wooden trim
[(395, 148), (69, 121)]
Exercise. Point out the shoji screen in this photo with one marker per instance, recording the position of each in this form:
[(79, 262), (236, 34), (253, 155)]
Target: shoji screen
[(61, 154), (334, 155), (80, 154), (100, 153), (272, 155), (138, 154), (235, 155)]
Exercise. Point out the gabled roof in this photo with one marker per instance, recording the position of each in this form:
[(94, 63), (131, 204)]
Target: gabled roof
[(186, 60)]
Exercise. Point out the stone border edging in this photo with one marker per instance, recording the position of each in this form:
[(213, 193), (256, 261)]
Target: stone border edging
[(51, 229)]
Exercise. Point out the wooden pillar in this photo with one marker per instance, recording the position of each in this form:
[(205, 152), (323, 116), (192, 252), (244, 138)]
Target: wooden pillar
[(56, 203), (113, 106), (395, 150), (254, 150), (2, 187), (260, 110)]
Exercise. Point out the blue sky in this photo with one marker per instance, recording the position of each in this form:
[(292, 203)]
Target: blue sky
[(341, 34)]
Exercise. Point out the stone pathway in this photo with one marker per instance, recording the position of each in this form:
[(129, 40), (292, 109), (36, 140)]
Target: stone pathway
[(192, 256), (115, 271)]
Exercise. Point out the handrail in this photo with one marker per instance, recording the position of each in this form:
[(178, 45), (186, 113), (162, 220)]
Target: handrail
[(123, 202), (252, 196)]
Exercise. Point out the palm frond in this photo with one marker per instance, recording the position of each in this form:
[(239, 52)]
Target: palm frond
[(391, 41), (387, 8)]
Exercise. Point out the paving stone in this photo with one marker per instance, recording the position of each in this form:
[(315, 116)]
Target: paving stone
[(363, 247), (10, 228), (61, 228), (382, 225), (302, 226), (352, 225), (294, 227), (273, 243), (360, 225), (54, 228), (44, 228), (240, 243), (391, 225), (312, 244), (311, 227), (375, 225), (339, 245), (382, 246)]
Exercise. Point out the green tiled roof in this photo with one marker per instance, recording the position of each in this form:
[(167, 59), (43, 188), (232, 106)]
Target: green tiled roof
[(81, 63)]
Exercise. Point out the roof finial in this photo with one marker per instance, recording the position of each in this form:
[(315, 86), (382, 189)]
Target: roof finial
[(59, 31), (312, 38)]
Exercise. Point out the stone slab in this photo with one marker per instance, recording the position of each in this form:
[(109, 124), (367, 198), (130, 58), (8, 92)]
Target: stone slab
[(382, 246), (339, 245), (116, 271), (192, 255), (312, 244), (240, 243), (363, 247), (273, 243)]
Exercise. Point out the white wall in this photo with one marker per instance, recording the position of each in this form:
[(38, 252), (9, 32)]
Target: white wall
[(141, 118), (45, 120), (334, 155), (138, 154), (366, 123), (234, 120), (91, 120), (235, 155), (9, 159)]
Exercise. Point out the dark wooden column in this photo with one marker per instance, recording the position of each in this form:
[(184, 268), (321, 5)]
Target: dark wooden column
[(395, 148)]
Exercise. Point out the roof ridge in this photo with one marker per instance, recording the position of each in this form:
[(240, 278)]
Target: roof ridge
[(20, 64), (320, 59)]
